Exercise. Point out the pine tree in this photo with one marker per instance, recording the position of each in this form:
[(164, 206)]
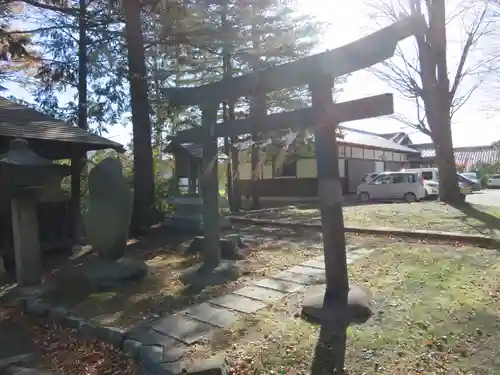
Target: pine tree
[(16, 53)]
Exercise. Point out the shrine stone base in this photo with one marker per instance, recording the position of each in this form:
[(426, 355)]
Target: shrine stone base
[(188, 214), (359, 306)]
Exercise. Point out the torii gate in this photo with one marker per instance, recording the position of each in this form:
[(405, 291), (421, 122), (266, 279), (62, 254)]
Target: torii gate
[(318, 72)]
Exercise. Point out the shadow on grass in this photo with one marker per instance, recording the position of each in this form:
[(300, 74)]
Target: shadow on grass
[(489, 224)]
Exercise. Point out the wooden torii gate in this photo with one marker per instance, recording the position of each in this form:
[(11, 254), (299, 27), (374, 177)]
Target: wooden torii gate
[(318, 72)]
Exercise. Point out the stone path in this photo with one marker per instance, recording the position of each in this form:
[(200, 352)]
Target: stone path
[(160, 345), (16, 347)]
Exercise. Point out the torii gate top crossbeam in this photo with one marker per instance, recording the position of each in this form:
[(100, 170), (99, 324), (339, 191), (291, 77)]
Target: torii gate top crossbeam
[(352, 57)]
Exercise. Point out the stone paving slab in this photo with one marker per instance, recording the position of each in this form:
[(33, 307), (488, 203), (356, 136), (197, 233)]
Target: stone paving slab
[(307, 271), (148, 336), (279, 285), (260, 294), (182, 328), (299, 278), (238, 303), (151, 352), (314, 263), (213, 315)]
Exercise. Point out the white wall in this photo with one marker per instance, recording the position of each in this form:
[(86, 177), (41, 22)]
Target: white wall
[(306, 168)]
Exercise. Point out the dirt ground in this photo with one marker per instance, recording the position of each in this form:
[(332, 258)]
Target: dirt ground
[(409, 277), (59, 350), (162, 291)]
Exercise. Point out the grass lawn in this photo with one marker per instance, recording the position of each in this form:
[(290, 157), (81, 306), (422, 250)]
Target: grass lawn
[(438, 312), (436, 216)]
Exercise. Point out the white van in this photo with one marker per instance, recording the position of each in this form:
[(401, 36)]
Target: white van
[(407, 186), (431, 180), (429, 174)]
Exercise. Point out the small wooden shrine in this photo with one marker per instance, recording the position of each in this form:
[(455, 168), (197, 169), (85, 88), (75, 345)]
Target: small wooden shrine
[(185, 193)]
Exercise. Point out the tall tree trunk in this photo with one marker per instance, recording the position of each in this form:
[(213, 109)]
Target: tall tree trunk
[(228, 108), (448, 186), (235, 172), (258, 108), (78, 161), (436, 96), (159, 121), (141, 123)]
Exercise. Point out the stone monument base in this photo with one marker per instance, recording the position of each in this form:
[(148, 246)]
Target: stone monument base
[(106, 274), (231, 246), (359, 308), (188, 215), (202, 275)]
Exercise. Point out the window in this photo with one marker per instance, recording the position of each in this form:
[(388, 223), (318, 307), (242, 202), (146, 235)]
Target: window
[(369, 154), (382, 180), (406, 178), (428, 175), (347, 152), (341, 151), (411, 178), (357, 153), (289, 169), (369, 176), (398, 179), (183, 185)]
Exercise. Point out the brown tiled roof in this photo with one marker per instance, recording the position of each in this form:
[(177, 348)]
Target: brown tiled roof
[(18, 121), (464, 155)]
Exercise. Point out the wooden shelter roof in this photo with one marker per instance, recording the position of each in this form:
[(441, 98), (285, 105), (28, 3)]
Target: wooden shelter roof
[(193, 149), (47, 136)]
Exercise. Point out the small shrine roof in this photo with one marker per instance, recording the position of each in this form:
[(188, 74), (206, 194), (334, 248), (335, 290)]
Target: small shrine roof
[(194, 149)]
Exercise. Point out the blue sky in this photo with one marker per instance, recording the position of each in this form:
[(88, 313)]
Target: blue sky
[(475, 123)]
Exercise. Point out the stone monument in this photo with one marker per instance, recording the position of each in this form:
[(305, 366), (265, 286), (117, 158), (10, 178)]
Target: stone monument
[(107, 225)]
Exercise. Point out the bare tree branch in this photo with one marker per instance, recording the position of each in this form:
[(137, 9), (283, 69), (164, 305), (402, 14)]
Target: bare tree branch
[(409, 73)]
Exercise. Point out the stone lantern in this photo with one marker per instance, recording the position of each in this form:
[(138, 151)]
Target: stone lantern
[(186, 195), (23, 176)]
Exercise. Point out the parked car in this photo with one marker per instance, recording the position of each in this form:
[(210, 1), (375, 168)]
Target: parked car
[(429, 174), (473, 183), (431, 189), (493, 181), (470, 175), (431, 180), (464, 188), (407, 186)]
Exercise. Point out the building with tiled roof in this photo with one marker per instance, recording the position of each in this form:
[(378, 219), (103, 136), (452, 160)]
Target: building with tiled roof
[(293, 172), (466, 156), (400, 138)]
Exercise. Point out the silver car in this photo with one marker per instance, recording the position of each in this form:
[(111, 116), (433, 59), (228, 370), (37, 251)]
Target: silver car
[(407, 186), (494, 181)]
